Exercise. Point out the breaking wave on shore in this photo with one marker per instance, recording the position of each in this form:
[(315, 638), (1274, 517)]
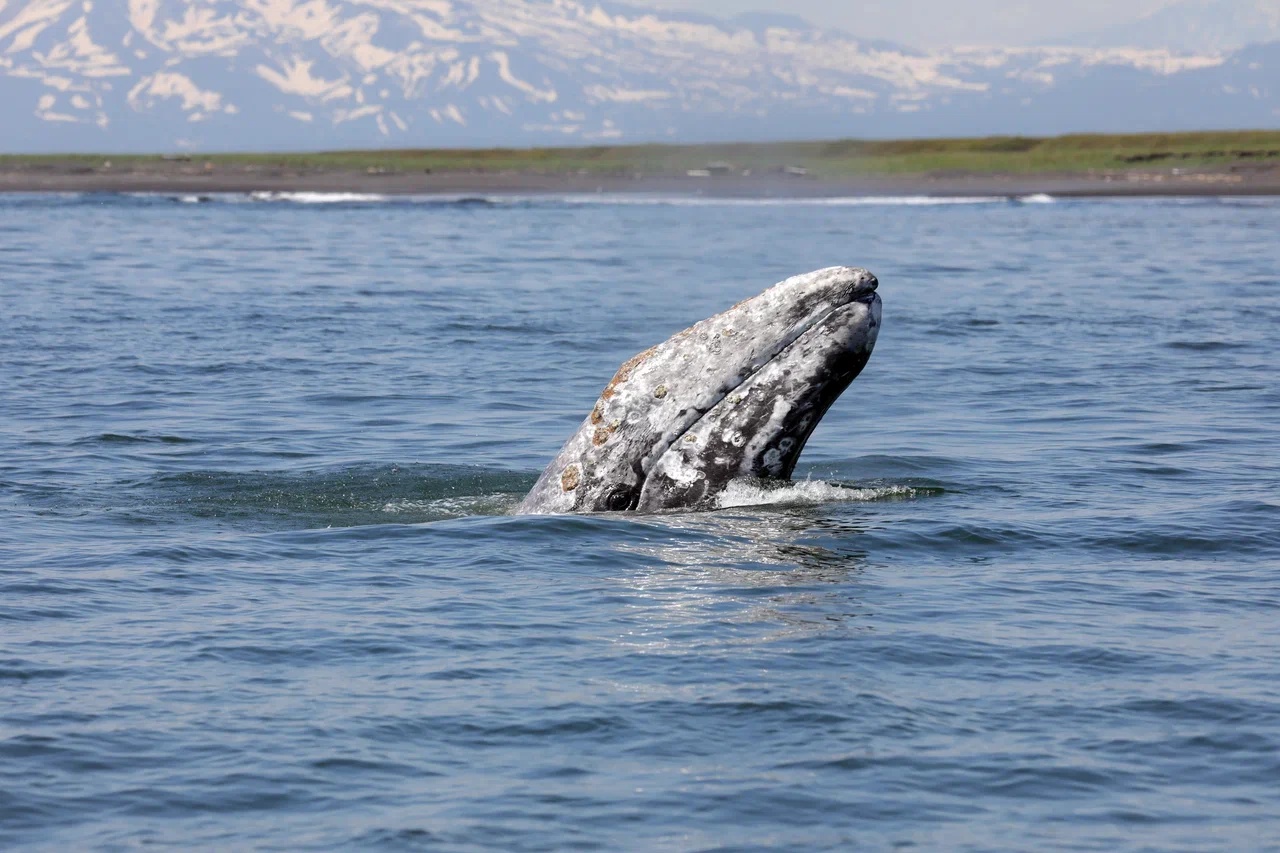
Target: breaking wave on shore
[(520, 200)]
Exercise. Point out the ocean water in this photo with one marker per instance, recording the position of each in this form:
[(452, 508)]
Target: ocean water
[(260, 587)]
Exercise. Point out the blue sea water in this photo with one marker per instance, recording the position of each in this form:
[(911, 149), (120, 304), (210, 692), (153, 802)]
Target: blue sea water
[(260, 587)]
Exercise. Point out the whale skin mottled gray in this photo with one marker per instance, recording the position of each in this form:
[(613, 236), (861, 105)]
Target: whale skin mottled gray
[(733, 396)]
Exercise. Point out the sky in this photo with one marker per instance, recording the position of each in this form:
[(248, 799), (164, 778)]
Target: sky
[(936, 23)]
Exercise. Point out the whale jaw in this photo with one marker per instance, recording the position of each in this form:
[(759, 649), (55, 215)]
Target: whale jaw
[(736, 395), (759, 430)]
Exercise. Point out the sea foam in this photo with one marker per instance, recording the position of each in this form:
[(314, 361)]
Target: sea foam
[(804, 492), (317, 197)]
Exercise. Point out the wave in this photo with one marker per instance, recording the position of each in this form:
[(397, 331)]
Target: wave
[(343, 497), (612, 199), (416, 200), (1247, 201), (318, 197), (675, 200), (449, 200), (409, 494), (742, 493), (524, 201)]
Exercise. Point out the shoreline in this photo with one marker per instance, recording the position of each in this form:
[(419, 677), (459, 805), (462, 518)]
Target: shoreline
[(188, 178)]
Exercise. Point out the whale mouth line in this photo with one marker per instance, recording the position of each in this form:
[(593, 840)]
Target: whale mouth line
[(868, 299)]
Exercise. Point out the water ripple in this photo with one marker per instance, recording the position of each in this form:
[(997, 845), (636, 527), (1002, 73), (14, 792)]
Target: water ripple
[(260, 587)]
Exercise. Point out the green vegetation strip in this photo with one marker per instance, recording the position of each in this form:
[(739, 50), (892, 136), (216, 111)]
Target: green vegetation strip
[(1067, 155)]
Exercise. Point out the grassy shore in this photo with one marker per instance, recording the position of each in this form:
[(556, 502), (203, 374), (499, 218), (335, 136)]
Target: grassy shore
[(1077, 154)]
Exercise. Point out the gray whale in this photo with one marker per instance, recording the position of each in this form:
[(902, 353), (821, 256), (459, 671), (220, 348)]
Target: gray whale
[(733, 396)]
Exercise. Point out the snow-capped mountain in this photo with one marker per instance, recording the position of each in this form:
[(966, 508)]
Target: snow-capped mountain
[(111, 75)]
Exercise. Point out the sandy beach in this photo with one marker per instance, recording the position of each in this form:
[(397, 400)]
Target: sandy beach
[(196, 176)]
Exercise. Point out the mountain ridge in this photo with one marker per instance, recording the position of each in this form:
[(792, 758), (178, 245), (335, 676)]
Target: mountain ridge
[(1193, 26), (307, 74)]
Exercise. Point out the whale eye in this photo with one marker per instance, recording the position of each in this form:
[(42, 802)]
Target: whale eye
[(619, 499)]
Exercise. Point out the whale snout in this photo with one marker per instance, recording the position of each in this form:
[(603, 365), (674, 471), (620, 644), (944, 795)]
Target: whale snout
[(862, 286), (863, 280), (864, 290), (828, 290)]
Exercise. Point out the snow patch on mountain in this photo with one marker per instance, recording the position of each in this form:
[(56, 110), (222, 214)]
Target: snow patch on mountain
[(308, 73)]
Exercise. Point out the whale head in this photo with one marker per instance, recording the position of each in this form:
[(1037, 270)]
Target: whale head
[(734, 396)]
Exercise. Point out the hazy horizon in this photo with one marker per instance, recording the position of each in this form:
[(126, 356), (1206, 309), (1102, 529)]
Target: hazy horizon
[(938, 23)]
